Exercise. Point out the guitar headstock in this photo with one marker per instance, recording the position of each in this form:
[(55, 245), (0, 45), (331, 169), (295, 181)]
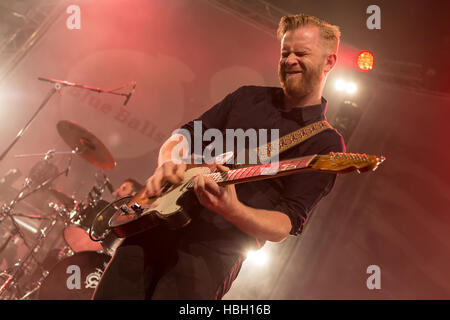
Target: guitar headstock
[(345, 162)]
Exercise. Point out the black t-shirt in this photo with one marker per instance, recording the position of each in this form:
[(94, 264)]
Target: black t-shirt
[(252, 107)]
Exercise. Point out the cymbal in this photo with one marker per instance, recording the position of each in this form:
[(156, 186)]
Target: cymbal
[(86, 144)]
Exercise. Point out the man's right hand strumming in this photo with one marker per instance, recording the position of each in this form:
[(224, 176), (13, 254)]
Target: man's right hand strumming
[(170, 167), (168, 171)]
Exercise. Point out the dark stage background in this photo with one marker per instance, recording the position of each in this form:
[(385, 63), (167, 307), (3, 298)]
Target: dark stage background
[(185, 55)]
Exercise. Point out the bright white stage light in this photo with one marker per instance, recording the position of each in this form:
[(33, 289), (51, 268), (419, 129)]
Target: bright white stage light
[(340, 85), (351, 87), (257, 257), (347, 86)]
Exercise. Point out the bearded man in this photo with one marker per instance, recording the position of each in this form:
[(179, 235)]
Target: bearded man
[(129, 187), (202, 260)]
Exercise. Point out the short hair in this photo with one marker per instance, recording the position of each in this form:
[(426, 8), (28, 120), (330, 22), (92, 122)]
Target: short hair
[(134, 184), (330, 34)]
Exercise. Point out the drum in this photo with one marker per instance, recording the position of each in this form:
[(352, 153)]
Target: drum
[(75, 277), (110, 241), (78, 239), (89, 212), (77, 235)]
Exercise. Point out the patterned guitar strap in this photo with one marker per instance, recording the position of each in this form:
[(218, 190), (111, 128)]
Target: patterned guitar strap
[(286, 142)]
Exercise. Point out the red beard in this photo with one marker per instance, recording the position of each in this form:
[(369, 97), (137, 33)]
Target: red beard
[(299, 85)]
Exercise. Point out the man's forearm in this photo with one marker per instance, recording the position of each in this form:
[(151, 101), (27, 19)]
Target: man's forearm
[(259, 223), (175, 144)]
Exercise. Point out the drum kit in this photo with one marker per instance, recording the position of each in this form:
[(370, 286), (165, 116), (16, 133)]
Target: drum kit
[(60, 234)]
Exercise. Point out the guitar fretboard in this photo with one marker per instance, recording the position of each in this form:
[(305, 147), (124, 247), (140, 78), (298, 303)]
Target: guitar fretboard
[(263, 170)]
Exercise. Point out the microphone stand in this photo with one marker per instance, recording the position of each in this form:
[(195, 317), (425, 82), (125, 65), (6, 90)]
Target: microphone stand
[(56, 88), (58, 84), (83, 86)]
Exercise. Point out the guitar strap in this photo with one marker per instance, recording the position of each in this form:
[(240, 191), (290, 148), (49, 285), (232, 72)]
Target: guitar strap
[(290, 140)]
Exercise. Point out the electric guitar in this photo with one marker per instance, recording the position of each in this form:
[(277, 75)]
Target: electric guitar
[(143, 213)]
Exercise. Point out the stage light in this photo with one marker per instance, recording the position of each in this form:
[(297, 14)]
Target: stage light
[(340, 85), (350, 87), (365, 61), (347, 86), (258, 257)]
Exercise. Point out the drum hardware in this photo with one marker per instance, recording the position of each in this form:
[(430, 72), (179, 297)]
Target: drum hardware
[(8, 211), (30, 216), (40, 155), (96, 193), (61, 211), (108, 184), (64, 210), (35, 287), (54, 89), (21, 266), (90, 148), (76, 234), (10, 177), (85, 214)]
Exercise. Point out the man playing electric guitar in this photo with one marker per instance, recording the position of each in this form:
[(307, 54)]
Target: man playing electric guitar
[(201, 260)]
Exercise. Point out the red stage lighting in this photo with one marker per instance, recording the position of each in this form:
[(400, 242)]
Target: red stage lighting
[(365, 61)]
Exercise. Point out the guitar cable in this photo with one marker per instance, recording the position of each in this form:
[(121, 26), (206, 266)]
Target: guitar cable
[(100, 213)]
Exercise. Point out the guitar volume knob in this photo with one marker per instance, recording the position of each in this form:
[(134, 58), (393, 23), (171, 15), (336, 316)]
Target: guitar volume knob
[(125, 209), (137, 207)]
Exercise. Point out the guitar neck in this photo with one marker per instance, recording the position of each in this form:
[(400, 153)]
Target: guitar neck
[(333, 162), (264, 171)]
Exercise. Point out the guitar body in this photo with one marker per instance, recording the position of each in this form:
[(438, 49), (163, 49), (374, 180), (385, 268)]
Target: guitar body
[(165, 209)]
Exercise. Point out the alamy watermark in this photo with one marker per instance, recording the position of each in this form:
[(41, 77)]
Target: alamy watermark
[(74, 20), (374, 20), (374, 281), (262, 147), (73, 281)]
